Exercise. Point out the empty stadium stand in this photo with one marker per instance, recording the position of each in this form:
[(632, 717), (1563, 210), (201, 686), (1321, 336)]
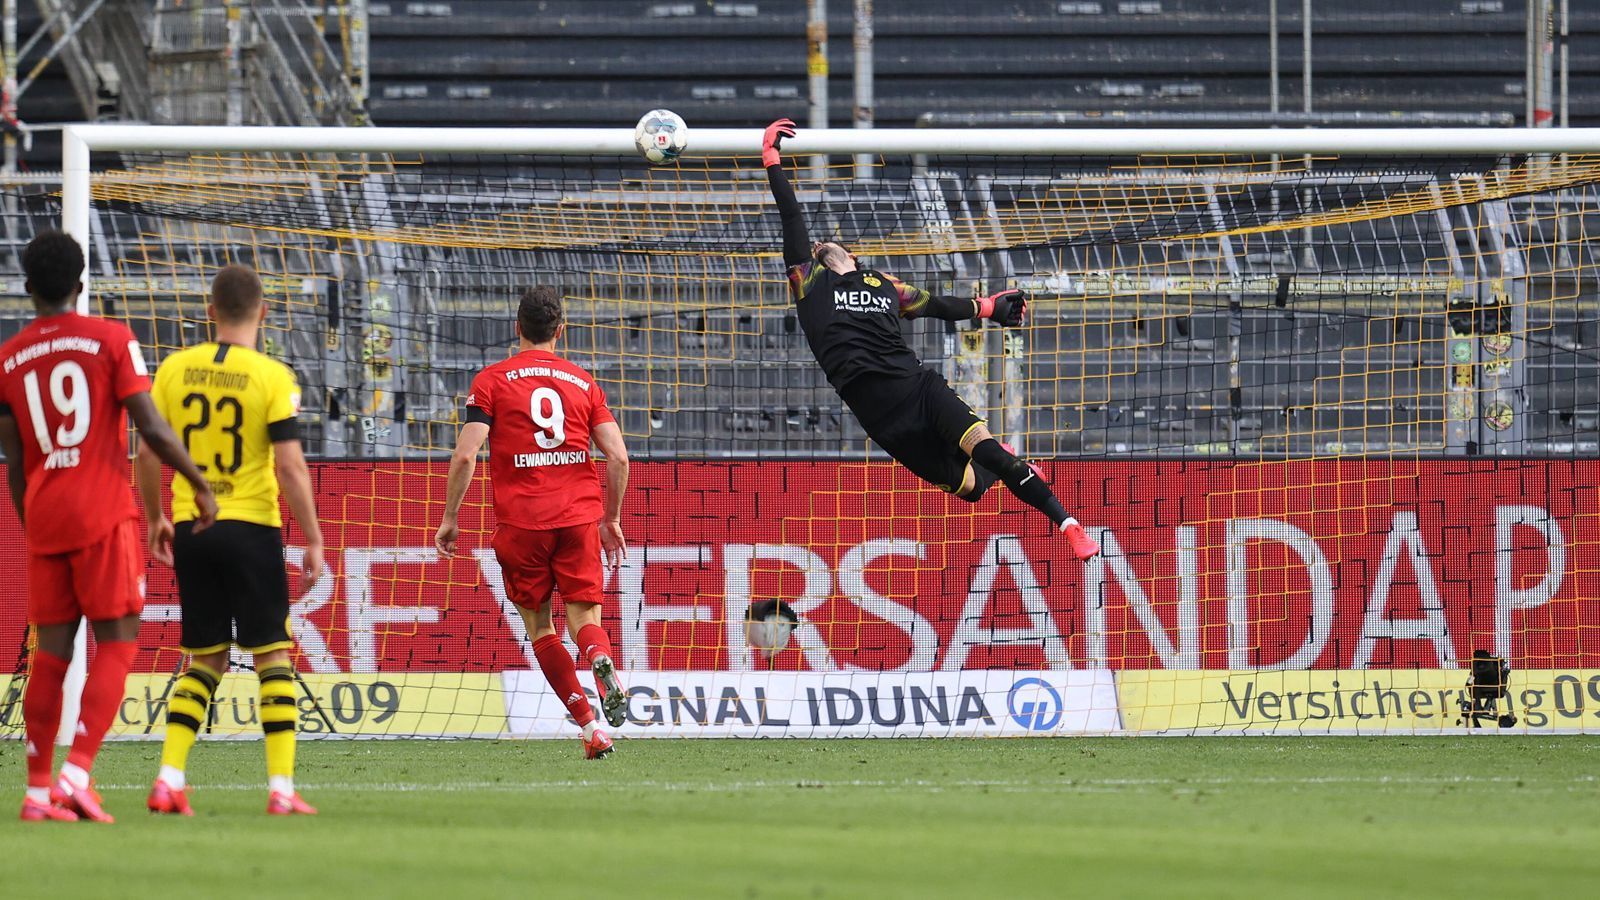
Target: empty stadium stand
[(589, 62), (732, 62)]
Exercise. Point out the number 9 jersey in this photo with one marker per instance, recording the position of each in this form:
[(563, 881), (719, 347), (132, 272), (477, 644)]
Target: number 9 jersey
[(229, 404), (540, 410), (63, 379)]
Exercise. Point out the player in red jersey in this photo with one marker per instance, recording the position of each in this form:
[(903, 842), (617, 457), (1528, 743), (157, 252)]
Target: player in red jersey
[(65, 382), (551, 523)]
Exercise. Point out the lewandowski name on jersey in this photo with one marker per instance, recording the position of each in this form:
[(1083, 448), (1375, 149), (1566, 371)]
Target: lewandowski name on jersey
[(552, 458)]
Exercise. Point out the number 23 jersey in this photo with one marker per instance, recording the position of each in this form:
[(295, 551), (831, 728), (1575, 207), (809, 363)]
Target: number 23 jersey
[(228, 405), (63, 379), (541, 411)]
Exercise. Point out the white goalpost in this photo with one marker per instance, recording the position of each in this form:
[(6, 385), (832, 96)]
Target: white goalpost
[(80, 142)]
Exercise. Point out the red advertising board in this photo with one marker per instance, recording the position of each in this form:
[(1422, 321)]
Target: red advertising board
[(1209, 564)]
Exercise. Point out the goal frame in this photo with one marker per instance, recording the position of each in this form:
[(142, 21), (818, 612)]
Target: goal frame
[(79, 142)]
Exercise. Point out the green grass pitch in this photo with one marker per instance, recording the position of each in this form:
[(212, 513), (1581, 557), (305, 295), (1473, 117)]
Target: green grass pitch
[(1457, 817)]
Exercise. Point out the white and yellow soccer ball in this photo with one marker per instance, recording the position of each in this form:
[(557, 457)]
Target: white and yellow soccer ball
[(661, 136)]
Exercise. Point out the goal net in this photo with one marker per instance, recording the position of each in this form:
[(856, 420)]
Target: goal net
[(1332, 417)]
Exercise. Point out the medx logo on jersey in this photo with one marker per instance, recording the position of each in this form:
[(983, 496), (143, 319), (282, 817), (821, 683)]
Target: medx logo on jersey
[(1034, 704), (862, 302)]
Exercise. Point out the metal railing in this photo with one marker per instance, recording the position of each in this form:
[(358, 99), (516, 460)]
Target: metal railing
[(248, 62)]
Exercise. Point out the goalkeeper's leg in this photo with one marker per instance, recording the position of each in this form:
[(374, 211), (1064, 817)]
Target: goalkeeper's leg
[(1028, 484)]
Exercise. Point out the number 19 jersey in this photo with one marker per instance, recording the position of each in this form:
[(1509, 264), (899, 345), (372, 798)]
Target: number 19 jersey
[(63, 379), (541, 411), (228, 404)]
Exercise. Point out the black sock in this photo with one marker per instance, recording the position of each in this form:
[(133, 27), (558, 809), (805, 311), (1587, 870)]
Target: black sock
[(1022, 480)]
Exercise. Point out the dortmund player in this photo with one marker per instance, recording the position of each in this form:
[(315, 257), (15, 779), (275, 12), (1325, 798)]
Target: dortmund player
[(236, 410), (851, 318)]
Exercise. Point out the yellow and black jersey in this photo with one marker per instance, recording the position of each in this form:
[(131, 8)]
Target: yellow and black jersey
[(229, 404)]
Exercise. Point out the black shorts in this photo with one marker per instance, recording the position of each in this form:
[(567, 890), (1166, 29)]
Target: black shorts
[(230, 576), (920, 420)]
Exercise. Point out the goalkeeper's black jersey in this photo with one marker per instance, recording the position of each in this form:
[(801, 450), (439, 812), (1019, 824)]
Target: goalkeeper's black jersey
[(852, 321)]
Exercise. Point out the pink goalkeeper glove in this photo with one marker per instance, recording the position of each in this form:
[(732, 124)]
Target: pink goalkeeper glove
[(1006, 308), (774, 136)]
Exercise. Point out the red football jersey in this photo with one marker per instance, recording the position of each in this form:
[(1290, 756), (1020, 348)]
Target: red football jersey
[(64, 379), (541, 410)]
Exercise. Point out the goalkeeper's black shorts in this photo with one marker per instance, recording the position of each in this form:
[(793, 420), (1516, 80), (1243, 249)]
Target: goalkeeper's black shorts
[(920, 420)]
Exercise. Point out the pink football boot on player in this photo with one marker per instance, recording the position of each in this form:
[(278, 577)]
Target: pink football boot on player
[(1082, 545), (34, 811), (167, 800), (289, 805), (83, 801), (598, 746)]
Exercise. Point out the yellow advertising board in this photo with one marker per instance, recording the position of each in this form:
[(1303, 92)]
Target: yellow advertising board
[(1371, 701), (1364, 701), (397, 705)]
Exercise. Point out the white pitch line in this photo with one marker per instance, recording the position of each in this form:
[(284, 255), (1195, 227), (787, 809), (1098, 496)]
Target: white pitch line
[(1072, 785)]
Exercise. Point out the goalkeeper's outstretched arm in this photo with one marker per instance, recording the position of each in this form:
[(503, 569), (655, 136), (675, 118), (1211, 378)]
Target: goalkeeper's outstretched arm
[(796, 240), (1007, 308)]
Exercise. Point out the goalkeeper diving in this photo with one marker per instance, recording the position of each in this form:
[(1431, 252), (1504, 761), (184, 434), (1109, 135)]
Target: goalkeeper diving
[(851, 318)]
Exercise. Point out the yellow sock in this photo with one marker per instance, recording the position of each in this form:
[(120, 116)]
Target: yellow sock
[(278, 714), (186, 710)]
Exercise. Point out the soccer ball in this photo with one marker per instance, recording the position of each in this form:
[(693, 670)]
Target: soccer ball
[(661, 136), (768, 625)]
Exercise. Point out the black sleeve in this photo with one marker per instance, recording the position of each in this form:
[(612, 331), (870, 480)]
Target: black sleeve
[(5, 408), (476, 414), (796, 242), (950, 309), (283, 430)]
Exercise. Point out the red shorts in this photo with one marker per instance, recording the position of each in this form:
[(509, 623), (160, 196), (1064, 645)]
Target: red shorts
[(534, 562), (99, 582)]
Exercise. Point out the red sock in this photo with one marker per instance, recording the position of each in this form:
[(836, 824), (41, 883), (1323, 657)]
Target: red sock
[(102, 694), (563, 677), (41, 714), (593, 641)]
